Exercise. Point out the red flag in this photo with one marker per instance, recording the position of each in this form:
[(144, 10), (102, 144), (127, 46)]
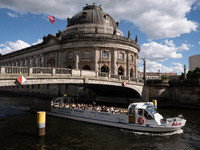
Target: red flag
[(51, 19)]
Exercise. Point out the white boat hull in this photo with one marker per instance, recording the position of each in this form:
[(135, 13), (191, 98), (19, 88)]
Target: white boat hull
[(109, 119)]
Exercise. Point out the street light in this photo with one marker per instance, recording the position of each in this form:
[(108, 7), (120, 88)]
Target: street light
[(144, 64)]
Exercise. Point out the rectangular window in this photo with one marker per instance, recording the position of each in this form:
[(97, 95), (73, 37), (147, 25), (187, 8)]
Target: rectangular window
[(86, 54), (41, 59), (25, 62), (131, 58), (121, 56), (69, 55), (104, 54), (30, 61)]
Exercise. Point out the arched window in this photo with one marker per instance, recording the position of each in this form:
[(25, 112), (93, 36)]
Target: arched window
[(131, 58), (104, 68), (30, 62), (120, 70), (86, 67), (25, 62), (51, 62), (41, 59)]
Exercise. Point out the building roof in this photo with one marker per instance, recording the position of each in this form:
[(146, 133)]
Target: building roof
[(92, 14)]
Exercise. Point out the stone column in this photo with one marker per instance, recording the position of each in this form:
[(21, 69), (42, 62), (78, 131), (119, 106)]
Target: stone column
[(59, 59), (56, 58), (114, 61), (45, 60), (77, 59), (135, 67), (127, 64), (96, 59)]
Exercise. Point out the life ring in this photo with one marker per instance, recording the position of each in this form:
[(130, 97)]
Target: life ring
[(141, 120)]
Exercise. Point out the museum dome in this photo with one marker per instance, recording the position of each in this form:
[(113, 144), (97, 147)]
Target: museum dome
[(92, 14), (91, 20)]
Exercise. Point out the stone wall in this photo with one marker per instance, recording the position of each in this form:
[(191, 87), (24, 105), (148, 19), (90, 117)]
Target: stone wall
[(184, 93)]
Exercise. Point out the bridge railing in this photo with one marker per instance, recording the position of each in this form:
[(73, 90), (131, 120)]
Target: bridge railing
[(60, 71), (43, 70), (63, 71), (14, 70), (103, 74)]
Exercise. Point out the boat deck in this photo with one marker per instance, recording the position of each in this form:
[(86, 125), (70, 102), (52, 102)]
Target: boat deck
[(97, 108)]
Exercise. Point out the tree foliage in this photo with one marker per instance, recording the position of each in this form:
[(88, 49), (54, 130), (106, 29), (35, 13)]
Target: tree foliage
[(164, 77), (195, 74)]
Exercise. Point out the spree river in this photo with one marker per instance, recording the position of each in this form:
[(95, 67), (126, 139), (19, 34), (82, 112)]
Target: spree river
[(18, 131)]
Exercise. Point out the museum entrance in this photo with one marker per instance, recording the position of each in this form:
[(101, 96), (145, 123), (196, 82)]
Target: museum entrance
[(120, 70), (105, 68)]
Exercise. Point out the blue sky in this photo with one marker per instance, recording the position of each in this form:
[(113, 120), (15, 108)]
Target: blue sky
[(168, 31)]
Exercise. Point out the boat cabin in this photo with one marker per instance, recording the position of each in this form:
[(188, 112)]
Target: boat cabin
[(143, 113)]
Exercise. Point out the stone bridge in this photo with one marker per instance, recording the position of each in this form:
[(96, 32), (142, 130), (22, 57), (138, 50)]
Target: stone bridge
[(45, 75)]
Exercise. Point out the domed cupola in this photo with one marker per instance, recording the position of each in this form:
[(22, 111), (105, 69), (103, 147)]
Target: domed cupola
[(92, 20), (92, 14)]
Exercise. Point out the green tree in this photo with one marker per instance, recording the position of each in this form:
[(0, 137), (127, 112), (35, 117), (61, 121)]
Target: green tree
[(164, 77), (195, 74)]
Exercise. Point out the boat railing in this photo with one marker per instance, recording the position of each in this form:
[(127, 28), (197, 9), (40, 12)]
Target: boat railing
[(90, 107)]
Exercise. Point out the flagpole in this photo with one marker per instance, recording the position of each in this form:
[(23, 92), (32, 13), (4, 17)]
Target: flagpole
[(54, 28)]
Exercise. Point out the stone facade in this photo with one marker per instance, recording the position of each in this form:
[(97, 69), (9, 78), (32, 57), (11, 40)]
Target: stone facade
[(182, 93), (91, 41)]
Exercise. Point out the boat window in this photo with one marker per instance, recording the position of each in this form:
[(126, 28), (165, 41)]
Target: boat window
[(147, 115), (132, 111), (151, 110), (140, 111)]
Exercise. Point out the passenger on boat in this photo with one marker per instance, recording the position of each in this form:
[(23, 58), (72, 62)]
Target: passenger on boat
[(112, 109), (103, 108)]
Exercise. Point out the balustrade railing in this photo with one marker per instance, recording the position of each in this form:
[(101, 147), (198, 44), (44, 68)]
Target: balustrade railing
[(63, 71), (14, 70), (59, 71), (103, 74), (43, 70)]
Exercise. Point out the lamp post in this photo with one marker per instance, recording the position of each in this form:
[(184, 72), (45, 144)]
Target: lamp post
[(144, 77), (185, 75), (144, 64)]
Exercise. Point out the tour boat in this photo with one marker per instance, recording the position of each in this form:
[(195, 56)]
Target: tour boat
[(141, 116)]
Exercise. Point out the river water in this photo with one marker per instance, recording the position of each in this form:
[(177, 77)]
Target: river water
[(18, 131)]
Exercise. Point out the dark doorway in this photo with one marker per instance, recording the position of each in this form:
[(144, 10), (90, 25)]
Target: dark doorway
[(104, 68), (86, 67), (120, 70)]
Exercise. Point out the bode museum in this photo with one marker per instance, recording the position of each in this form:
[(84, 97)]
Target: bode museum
[(90, 41)]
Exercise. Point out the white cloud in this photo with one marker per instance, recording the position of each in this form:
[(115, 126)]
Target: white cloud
[(9, 46), (160, 52), (153, 66), (156, 18), (12, 15), (38, 41)]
